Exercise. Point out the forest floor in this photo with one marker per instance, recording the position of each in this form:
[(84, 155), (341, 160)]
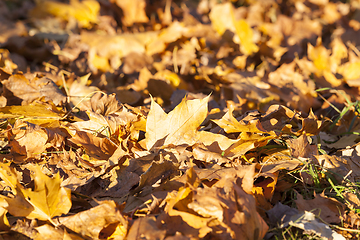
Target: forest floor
[(202, 119)]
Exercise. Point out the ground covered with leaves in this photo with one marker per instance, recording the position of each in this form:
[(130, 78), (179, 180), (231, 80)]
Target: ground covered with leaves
[(149, 119)]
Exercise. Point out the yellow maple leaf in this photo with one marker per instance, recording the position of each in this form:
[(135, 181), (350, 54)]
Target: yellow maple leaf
[(47, 200), (231, 125), (177, 127), (251, 133)]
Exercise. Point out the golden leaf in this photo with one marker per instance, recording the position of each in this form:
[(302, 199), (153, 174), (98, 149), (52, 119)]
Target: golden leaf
[(320, 57), (231, 125), (177, 127), (36, 112), (46, 201), (245, 34)]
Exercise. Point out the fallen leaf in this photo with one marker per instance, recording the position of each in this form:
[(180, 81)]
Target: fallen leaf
[(300, 147), (47, 231), (29, 87), (156, 172), (339, 166), (93, 222), (245, 34), (232, 125), (146, 228), (29, 141), (179, 126), (46, 201), (329, 209), (222, 18), (37, 112), (96, 147)]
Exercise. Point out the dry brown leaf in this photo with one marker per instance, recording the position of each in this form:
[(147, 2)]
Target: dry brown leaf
[(8, 27), (281, 213), (30, 87), (329, 209), (116, 184), (215, 142), (95, 222), (29, 142), (300, 147), (275, 57), (340, 166), (157, 171), (254, 227), (28, 139), (180, 199), (352, 199), (285, 163), (107, 125), (219, 177), (217, 208), (263, 192), (96, 147), (297, 91), (167, 35), (146, 228), (80, 92), (104, 104), (48, 232)]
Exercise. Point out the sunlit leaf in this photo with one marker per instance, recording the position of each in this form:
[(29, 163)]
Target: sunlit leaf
[(245, 34), (45, 202), (177, 127)]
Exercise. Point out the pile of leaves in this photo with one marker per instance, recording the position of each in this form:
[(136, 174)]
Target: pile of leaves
[(198, 119)]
